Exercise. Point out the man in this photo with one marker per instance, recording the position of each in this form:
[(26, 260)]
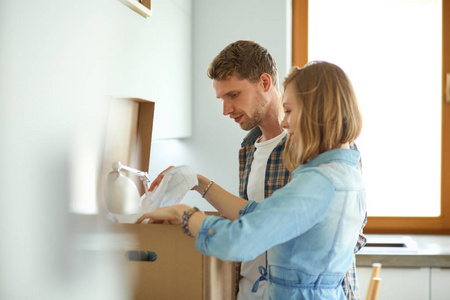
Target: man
[(245, 77)]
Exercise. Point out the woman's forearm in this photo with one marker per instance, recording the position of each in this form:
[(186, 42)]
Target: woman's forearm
[(226, 203)]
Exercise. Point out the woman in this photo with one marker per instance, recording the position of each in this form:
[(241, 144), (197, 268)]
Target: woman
[(312, 224)]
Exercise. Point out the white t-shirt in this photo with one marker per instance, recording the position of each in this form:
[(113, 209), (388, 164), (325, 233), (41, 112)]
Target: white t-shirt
[(255, 192)]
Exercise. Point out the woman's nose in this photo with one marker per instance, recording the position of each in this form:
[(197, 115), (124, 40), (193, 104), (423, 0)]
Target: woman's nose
[(284, 122)]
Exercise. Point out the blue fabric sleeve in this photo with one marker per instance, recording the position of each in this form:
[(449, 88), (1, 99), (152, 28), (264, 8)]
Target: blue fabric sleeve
[(288, 213), (248, 208)]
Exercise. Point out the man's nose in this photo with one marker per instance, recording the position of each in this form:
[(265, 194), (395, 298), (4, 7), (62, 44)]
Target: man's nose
[(227, 108)]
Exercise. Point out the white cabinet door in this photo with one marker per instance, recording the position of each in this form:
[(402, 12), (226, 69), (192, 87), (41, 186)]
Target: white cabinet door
[(440, 284), (398, 283)]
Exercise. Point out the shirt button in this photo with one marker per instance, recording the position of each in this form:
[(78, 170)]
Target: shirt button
[(211, 232)]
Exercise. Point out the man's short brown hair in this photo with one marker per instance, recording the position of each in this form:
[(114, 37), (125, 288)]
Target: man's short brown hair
[(244, 59)]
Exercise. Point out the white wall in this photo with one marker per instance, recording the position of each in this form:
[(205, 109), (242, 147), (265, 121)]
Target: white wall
[(59, 62), (213, 148)]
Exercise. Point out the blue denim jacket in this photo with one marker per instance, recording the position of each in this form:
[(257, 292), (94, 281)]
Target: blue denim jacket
[(310, 235)]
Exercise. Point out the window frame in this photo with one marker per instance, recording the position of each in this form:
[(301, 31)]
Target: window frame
[(399, 225)]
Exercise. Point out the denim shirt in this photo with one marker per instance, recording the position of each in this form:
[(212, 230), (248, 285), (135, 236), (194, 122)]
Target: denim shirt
[(311, 227)]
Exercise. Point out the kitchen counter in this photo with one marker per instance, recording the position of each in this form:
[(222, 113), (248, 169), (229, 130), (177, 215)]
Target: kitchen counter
[(414, 251)]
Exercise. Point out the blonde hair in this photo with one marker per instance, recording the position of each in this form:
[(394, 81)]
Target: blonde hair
[(330, 114), (244, 59)]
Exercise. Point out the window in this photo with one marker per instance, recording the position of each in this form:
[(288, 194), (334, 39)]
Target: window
[(380, 44)]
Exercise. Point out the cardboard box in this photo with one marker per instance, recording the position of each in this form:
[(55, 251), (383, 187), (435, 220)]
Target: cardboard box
[(179, 271)]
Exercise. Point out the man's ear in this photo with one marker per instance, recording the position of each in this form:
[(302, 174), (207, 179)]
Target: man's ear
[(266, 81)]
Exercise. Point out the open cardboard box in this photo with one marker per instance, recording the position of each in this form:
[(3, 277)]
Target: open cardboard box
[(179, 271)]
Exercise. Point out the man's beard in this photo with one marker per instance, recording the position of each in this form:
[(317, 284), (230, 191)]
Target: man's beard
[(256, 113)]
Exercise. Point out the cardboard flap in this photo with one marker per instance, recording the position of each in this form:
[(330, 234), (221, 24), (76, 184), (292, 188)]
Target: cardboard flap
[(128, 138)]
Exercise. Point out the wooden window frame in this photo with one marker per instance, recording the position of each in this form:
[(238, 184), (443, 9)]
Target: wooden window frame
[(400, 225)]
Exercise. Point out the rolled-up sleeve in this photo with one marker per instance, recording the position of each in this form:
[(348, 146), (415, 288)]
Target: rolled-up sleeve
[(248, 208), (279, 218), (213, 230)]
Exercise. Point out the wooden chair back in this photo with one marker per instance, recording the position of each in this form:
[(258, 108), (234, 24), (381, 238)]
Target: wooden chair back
[(374, 284)]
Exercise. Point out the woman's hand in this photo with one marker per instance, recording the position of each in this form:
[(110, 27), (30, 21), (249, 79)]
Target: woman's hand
[(172, 214), (158, 179)]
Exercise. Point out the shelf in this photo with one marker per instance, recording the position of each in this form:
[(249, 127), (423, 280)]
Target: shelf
[(143, 8)]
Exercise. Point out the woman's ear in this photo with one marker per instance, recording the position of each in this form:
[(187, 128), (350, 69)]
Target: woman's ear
[(266, 81)]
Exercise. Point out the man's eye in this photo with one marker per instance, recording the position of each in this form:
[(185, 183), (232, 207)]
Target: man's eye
[(287, 111)]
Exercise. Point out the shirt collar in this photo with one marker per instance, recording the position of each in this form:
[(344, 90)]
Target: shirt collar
[(251, 137), (347, 156)]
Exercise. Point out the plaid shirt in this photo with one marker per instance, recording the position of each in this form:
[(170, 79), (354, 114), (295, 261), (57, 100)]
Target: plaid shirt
[(278, 176)]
